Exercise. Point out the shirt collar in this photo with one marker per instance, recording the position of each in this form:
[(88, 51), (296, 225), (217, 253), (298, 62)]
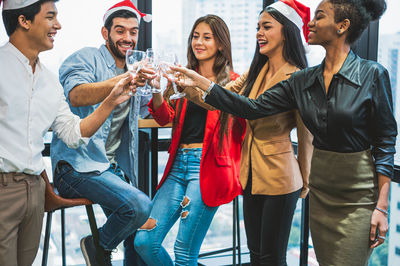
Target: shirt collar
[(21, 57), (110, 61), (349, 71)]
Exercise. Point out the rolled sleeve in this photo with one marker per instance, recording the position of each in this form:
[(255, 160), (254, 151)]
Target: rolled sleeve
[(67, 126), (77, 69), (384, 125), (163, 115)]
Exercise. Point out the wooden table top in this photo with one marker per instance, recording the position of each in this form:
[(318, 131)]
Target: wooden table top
[(151, 123)]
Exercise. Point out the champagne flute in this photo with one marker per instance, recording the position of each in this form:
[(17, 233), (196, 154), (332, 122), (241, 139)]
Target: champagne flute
[(171, 59), (161, 80), (150, 61), (133, 61)]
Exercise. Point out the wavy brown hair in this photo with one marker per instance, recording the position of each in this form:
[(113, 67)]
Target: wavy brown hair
[(222, 64)]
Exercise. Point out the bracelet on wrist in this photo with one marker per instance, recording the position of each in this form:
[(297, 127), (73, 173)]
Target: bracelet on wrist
[(382, 210), (206, 92), (210, 87)]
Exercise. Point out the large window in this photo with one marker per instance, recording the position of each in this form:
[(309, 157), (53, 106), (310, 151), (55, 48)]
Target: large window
[(389, 56), (172, 22)]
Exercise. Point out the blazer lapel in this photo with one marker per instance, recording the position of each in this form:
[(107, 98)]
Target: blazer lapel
[(282, 74), (258, 82)]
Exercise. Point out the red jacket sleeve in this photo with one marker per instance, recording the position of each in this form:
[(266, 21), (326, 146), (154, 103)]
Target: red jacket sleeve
[(163, 115)]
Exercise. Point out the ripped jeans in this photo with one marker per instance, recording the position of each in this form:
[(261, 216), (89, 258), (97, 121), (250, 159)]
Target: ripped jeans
[(178, 197)]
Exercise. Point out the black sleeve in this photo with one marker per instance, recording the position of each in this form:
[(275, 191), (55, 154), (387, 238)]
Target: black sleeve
[(277, 99), (384, 127)]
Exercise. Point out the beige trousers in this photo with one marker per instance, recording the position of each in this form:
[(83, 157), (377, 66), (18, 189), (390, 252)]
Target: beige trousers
[(21, 217)]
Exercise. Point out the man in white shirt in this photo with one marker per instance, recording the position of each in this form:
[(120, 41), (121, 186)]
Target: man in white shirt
[(32, 101)]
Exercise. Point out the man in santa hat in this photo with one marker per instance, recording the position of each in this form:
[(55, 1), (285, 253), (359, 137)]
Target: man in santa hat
[(101, 170), (32, 101)]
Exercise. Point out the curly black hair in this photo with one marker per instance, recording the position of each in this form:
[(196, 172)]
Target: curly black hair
[(359, 12)]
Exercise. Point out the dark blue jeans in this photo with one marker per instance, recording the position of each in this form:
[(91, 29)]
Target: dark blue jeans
[(126, 207)]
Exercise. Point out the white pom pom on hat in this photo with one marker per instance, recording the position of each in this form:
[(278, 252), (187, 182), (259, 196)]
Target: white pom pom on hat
[(16, 4), (129, 6)]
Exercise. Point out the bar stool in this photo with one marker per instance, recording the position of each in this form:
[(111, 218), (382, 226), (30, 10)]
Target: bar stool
[(235, 238), (54, 202)]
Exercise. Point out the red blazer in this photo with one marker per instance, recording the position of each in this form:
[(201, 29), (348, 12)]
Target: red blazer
[(219, 171)]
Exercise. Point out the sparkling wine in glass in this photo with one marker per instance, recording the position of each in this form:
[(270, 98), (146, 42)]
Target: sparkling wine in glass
[(150, 61), (171, 59), (134, 62)]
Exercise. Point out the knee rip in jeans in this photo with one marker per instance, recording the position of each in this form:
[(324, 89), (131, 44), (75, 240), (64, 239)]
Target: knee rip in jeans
[(185, 202), (149, 225), (184, 214)]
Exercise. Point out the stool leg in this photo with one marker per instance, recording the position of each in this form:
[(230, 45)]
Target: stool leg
[(238, 231), (95, 234), (64, 259), (234, 233), (46, 238)]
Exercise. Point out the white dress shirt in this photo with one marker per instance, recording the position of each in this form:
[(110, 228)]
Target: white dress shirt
[(30, 103)]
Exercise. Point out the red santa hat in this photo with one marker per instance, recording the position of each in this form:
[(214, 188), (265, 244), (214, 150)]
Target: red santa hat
[(129, 6), (296, 12), (16, 4)]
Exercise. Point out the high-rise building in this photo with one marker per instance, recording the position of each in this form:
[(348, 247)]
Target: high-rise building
[(241, 16), (394, 226), (389, 56)]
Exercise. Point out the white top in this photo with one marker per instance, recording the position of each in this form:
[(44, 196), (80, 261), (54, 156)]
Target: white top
[(30, 103)]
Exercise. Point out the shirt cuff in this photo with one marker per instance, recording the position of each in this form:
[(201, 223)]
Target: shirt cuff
[(80, 140)]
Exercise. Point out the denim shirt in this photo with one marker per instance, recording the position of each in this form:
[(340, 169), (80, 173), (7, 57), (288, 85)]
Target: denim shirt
[(90, 65)]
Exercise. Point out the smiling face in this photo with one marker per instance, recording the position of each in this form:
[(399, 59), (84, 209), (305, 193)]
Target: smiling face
[(269, 35), (204, 45), (43, 28), (323, 28), (122, 36)]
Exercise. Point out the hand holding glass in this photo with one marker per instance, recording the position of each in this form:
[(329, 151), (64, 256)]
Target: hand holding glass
[(170, 60)]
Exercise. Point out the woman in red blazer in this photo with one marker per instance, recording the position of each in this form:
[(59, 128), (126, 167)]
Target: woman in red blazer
[(203, 166)]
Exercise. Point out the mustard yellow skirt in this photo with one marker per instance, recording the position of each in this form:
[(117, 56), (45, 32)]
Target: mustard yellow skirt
[(343, 195)]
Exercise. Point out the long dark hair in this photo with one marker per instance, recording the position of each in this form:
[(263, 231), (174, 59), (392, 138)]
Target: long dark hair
[(222, 64), (293, 49)]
